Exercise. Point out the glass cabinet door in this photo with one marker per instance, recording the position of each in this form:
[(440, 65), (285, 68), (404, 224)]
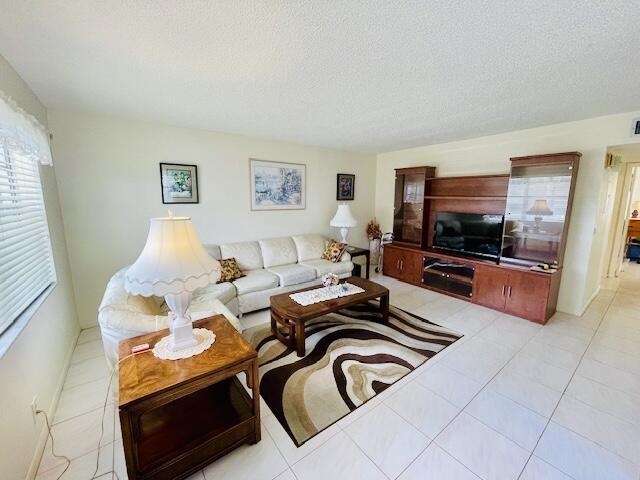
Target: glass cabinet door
[(537, 202), (408, 207)]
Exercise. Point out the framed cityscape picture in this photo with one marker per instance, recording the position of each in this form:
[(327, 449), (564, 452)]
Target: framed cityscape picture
[(346, 184), (179, 183), (277, 185)]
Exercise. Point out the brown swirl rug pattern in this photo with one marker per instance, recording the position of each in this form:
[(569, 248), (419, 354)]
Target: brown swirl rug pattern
[(351, 357)]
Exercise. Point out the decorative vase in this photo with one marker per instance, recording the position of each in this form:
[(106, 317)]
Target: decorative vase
[(634, 214), (374, 248)]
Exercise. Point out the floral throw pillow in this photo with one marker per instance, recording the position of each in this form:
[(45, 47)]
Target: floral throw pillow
[(230, 270), (334, 251)]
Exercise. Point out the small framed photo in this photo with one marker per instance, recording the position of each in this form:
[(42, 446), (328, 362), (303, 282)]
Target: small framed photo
[(346, 186), (179, 183)]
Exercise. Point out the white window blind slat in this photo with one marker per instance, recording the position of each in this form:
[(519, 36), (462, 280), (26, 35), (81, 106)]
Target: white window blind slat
[(22, 292), (27, 267), (20, 306), (23, 262)]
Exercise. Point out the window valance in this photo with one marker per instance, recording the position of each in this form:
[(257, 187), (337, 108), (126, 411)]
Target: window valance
[(23, 132)]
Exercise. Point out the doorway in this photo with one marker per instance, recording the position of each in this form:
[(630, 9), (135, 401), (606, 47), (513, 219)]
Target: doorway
[(625, 231)]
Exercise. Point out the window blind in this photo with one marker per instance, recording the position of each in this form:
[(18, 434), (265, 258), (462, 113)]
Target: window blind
[(26, 260)]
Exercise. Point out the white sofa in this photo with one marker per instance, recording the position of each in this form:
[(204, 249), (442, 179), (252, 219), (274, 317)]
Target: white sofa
[(123, 316), (274, 266), (271, 266)]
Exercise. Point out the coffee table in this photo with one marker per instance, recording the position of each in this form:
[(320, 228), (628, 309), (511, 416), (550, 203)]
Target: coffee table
[(292, 316)]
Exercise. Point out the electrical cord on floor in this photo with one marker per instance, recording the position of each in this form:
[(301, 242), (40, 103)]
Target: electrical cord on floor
[(94, 475), (53, 453)]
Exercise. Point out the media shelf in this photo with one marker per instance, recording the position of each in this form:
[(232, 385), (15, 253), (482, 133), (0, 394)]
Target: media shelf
[(447, 276)]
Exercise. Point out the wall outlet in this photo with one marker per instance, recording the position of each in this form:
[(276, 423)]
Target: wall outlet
[(34, 408)]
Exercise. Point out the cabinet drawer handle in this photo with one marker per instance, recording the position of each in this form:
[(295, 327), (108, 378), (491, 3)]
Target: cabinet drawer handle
[(504, 287), (402, 264), (509, 291)]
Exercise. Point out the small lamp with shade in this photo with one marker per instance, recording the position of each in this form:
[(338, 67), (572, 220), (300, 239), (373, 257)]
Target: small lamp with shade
[(539, 209), (172, 264), (344, 220)]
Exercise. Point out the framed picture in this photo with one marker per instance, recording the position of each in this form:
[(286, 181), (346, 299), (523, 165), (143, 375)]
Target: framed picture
[(345, 189), (277, 186), (179, 183)]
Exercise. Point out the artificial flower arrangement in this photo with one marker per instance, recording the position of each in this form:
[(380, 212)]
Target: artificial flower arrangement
[(330, 279), (373, 230)]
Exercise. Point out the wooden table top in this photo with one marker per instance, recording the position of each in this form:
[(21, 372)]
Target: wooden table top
[(145, 375), (353, 250), (282, 303)]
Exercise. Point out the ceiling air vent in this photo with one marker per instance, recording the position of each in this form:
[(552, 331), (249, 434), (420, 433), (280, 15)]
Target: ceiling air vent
[(635, 127)]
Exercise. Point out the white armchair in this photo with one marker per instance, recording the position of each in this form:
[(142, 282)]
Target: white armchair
[(122, 315)]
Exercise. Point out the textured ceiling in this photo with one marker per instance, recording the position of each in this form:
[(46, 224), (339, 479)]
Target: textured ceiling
[(359, 75)]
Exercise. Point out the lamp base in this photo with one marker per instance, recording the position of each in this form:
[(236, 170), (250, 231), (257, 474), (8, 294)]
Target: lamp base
[(344, 231), (182, 337), (164, 348), (180, 321)]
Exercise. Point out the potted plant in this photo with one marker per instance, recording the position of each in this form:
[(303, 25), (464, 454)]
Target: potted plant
[(374, 234)]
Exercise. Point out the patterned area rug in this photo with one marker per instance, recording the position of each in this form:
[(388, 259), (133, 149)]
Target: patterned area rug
[(351, 357)]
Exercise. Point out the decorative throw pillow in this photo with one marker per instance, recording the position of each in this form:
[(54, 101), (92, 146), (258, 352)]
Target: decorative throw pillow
[(334, 251), (230, 270)]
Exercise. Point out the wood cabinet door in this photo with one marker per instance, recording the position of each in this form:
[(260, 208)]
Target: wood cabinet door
[(391, 261), (490, 286), (527, 295), (411, 267)]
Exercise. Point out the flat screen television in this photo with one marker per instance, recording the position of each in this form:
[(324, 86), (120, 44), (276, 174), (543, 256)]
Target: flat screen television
[(473, 234)]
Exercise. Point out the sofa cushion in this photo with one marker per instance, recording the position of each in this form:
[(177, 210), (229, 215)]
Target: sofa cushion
[(323, 267), (278, 251), (293, 274), (255, 280), (213, 250), (247, 254), (309, 247), (224, 292)]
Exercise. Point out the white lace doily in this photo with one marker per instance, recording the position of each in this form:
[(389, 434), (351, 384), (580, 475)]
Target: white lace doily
[(204, 337), (325, 293)]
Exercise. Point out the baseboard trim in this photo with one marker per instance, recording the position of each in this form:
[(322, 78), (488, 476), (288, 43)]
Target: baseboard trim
[(591, 299), (42, 438)]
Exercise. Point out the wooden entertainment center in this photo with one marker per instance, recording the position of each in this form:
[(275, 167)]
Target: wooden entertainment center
[(535, 200)]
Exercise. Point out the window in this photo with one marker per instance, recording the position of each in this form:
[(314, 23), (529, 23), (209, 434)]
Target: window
[(26, 261)]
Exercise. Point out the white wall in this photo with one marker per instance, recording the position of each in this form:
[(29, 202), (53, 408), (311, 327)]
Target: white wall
[(488, 155), (36, 361), (109, 182)]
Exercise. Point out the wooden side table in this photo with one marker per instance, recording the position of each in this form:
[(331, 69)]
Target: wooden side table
[(177, 416), (359, 252)]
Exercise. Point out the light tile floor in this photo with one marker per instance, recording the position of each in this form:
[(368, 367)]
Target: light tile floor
[(511, 400)]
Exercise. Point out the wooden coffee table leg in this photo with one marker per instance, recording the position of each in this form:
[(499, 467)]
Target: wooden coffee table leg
[(255, 387), (274, 324), (384, 307), (299, 332)]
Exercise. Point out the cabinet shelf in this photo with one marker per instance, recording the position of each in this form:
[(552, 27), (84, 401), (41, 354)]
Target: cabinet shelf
[(455, 278), (461, 197), (451, 276)]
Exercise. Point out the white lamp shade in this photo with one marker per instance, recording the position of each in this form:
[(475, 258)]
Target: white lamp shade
[(343, 217), (172, 262)]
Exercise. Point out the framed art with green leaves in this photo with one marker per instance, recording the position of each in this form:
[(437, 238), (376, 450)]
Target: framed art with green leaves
[(179, 183)]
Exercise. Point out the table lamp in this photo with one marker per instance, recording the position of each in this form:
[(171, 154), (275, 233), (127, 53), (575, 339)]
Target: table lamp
[(173, 263), (344, 220), (539, 208)]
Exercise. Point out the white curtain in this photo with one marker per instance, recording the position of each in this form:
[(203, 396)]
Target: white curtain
[(23, 132)]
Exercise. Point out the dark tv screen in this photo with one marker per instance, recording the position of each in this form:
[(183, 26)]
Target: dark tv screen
[(473, 234)]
